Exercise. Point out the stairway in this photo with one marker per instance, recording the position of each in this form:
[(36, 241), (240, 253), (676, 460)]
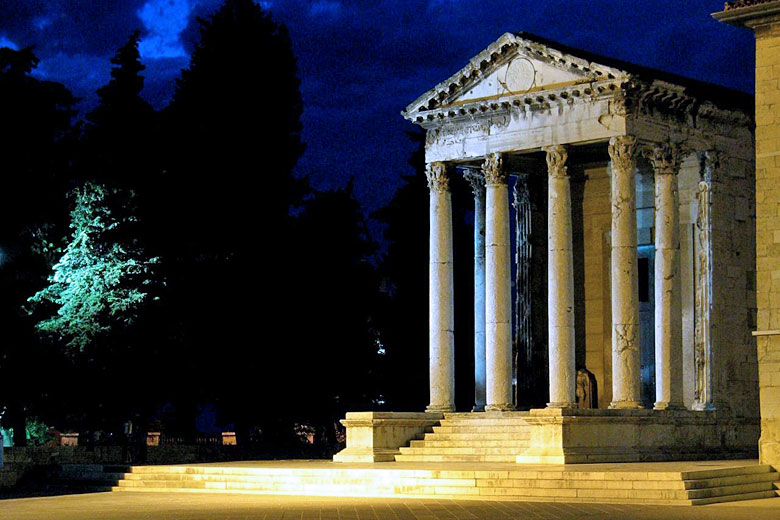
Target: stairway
[(86, 478), (605, 483), (471, 437)]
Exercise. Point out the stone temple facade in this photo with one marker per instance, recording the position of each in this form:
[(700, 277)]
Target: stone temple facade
[(614, 245)]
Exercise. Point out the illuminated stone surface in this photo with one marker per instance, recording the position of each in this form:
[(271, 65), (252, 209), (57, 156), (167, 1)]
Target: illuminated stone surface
[(376, 436), (665, 160), (625, 293), (560, 282), (441, 306), (764, 19), (498, 287), (159, 506), (676, 483)]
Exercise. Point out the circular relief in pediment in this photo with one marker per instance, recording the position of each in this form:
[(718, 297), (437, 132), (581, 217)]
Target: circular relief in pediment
[(520, 76)]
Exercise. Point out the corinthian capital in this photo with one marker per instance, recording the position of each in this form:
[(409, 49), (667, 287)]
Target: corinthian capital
[(438, 180), (493, 169), (665, 158), (556, 160), (621, 152), (476, 180), (709, 161)]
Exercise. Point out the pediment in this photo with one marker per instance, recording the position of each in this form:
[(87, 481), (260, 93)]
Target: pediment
[(512, 65)]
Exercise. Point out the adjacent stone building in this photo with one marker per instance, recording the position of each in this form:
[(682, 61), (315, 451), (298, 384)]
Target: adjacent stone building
[(764, 18)]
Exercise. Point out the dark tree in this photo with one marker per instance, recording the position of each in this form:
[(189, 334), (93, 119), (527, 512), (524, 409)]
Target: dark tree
[(403, 315), (120, 138), (339, 342), (33, 136), (224, 224)]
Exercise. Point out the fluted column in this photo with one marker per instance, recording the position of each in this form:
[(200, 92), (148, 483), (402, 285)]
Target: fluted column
[(498, 284), (560, 282), (477, 181), (625, 293), (709, 162), (441, 311), (668, 311)]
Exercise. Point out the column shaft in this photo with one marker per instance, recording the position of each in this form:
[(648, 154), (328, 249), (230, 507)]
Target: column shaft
[(668, 311), (498, 283), (441, 310), (625, 293), (703, 399), (560, 282), (477, 181)]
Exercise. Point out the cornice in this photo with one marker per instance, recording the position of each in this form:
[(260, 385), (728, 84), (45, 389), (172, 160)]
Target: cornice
[(503, 50)]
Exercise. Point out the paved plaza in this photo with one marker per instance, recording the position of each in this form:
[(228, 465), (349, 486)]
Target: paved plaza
[(175, 506)]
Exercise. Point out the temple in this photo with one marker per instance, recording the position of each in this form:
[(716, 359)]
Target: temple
[(614, 257)]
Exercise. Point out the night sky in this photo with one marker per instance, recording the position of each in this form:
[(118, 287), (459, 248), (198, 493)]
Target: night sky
[(362, 61)]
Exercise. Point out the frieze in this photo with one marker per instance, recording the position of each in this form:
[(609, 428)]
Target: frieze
[(451, 132)]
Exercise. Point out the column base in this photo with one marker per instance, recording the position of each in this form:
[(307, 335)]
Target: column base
[(703, 407), (567, 406), (663, 405), (625, 405), (499, 407), (439, 408)]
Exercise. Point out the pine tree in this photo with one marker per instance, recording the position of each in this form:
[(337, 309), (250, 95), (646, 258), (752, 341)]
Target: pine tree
[(119, 140), (102, 279)]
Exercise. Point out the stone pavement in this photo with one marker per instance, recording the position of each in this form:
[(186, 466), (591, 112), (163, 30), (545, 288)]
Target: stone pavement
[(181, 506)]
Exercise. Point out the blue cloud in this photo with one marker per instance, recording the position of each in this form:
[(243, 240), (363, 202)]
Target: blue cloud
[(5, 42), (164, 21)]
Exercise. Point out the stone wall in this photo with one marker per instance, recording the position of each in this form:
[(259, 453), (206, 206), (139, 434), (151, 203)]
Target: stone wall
[(734, 360), (21, 460), (768, 235)]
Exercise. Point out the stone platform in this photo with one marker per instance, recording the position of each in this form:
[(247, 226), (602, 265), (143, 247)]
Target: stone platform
[(548, 436), (680, 483)]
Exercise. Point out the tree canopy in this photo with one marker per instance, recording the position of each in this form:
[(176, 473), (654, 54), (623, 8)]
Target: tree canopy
[(103, 276)]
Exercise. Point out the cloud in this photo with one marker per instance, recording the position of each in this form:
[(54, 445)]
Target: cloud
[(5, 42), (362, 61), (164, 21)]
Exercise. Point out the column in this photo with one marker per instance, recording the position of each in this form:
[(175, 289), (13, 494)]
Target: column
[(477, 182), (441, 313), (560, 282), (524, 361), (625, 293), (498, 285), (703, 297), (668, 311)]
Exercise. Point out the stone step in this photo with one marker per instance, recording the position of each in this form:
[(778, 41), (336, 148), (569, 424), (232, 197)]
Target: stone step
[(454, 458), (658, 487), (486, 415), (462, 450), (483, 430), (434, 442), (486, 422), (734, 498), (750, 478), (730, 490), (520, 435), (726, 472)]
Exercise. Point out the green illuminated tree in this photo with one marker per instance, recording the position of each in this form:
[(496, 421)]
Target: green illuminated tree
[(103, 278)]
